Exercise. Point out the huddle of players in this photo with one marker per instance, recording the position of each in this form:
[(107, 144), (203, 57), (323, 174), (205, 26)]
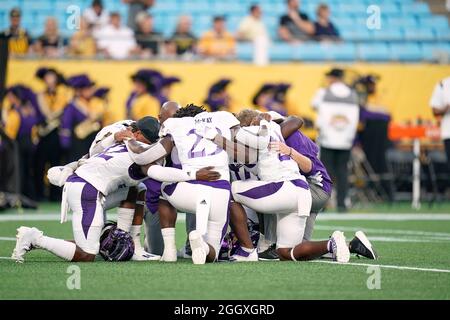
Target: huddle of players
[(182, 163)]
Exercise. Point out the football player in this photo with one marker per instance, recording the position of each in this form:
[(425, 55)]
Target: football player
[(284, 191), (100, 181), (209, 200)]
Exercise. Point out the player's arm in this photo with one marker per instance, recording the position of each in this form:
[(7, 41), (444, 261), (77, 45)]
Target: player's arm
[(110, 135), (237, 151), (257, 140), (304, 163), (168, 174), (143, 155), (290, 125)]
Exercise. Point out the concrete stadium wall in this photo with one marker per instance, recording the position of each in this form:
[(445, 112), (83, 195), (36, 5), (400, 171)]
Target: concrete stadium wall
[(404, 89)]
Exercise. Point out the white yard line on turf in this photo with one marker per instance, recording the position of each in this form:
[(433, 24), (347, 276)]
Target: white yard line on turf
[(6, 258), (386, 231), (7, 239), (385, 266), (321, 217), (383, 216)]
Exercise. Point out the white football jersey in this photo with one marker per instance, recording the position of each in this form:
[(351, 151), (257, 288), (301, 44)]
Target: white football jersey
[(111, 169), (105, 137), (194, 151), (273, 166)]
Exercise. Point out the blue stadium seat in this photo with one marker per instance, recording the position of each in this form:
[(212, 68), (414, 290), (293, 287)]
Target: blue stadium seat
[(389, 9), (310, 51), (244, 51), (433, 51), (340, 51), (406, 22), (195, 7), (373, 51), (167, 7), (281, 51), (6, 5), (442, 34), (355, 34), (420, 34), (388, 34), (355, 8), (416, 8), (437, 22), (406, 52)]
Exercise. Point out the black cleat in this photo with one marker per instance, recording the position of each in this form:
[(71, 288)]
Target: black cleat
[(270, 254), (361, 246)]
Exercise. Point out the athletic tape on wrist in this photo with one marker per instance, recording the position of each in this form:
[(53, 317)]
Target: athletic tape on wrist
[(292, 255)]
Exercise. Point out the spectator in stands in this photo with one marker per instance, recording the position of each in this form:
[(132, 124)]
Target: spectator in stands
[(252, 27), (440, 104), (324, 29), (134, 8), (147, 38), (18, 39), (183, 37), (115, 40), (50, 44), (166, 89), (96, 16), (82, 43), (337, 120), (295, 25), (218, 42)]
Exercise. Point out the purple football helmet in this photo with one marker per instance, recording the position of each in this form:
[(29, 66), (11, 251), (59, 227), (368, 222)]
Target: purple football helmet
[(115, 244)]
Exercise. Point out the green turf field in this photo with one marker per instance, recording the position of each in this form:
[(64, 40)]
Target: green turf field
[(423, 246)]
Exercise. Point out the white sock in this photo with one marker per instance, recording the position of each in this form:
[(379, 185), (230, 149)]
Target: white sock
[(61, 248), (135, 232), (169, 238), (248, 250), (125, 218)]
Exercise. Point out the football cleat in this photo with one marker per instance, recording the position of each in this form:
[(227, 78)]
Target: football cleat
[(197, 247), (243, 256), (270, 254), (25, 238), (339, 248), (142, 255), (361, 246)]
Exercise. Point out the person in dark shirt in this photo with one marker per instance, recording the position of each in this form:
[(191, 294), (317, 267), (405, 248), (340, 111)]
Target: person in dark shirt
[(183, 38), (18, 38), (324, 28), (295, 25), (50, 43), (146, 37)]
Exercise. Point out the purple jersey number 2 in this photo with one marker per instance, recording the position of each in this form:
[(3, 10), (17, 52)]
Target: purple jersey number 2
[(201, 153)]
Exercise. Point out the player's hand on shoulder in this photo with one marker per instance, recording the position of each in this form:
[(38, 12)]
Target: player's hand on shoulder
[(207, 174), (123, 135), (280, 147)]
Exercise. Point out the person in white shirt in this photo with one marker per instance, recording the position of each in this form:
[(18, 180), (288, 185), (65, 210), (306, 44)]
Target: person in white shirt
[(337, 121), (252, 27), (440, 103), (115, 40), (96, 16)]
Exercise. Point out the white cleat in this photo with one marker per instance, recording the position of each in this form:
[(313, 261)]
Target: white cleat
[(243, 256), (142, 255), (339, 247), (169, 255), (197, 247), (25, 238)]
